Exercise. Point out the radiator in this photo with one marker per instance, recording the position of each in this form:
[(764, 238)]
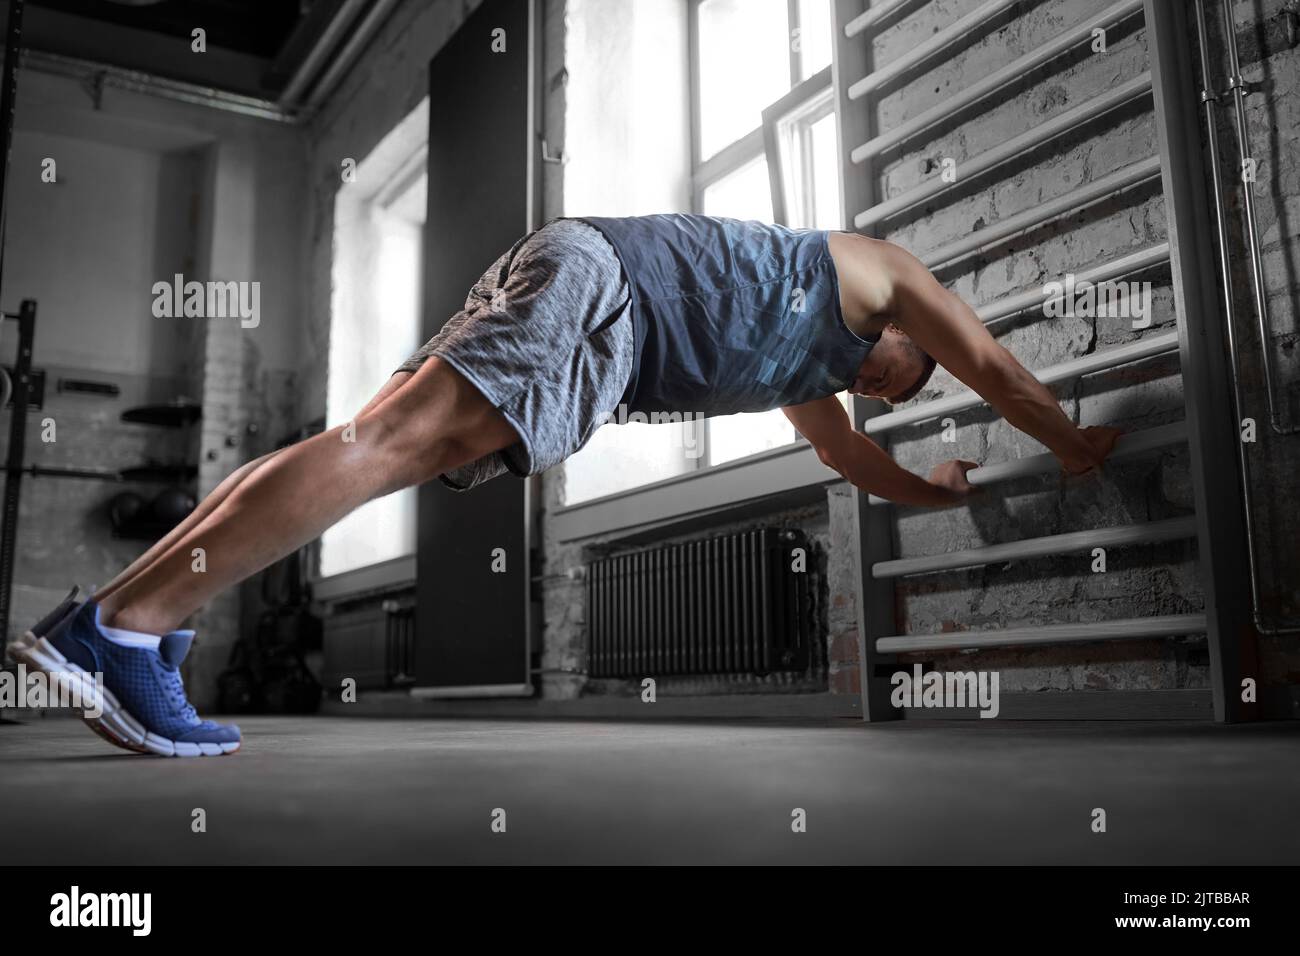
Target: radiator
[(371, 640), (722, 605), (399, 643)]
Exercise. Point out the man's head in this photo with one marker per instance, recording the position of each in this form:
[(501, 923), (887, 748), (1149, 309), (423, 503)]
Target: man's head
[(895, 370)]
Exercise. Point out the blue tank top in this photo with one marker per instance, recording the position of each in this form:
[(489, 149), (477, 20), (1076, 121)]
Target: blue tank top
[(731, 316)]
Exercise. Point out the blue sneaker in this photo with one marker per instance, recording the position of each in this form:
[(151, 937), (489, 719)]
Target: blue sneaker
[(47, 623), (66, 607), (144, 703)]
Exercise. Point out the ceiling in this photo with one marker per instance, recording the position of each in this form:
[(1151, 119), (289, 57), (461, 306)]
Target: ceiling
[(257, 27), (254, 47)]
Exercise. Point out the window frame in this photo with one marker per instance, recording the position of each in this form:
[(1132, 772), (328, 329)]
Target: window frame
[(778, 477), (800, 99), (707, 170)]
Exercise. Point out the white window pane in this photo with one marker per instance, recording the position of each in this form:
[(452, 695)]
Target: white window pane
[(827, 213), (744, 66), (814, 36), (375, 325), (620, 457), (810, 175), (379, 530), (744, 194), (376, 319), (735, 436)]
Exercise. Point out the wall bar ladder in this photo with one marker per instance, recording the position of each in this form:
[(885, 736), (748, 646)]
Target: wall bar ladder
[(1207, 430), (1128, 446), (1087, 111), (1125, 629), (1015, 70)]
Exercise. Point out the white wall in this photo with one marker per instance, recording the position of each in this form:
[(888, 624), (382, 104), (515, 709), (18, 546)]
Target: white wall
[(110, 229), (89, 246)]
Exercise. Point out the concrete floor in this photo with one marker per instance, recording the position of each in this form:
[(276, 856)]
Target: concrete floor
[(348, 790)]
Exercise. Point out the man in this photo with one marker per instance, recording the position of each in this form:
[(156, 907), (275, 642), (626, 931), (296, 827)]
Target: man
[(672, 313)]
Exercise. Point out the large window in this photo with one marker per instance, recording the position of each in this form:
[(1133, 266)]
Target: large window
[(375, 323), (750, 61), (751, 57)]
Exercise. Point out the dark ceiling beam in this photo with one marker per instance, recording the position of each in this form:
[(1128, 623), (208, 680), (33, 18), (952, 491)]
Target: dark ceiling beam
[(256, 27)]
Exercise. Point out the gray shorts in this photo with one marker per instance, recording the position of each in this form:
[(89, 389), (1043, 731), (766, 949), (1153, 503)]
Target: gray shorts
[(546, 336)]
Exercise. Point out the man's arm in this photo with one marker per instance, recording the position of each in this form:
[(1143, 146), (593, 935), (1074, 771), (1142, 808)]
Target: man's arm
[(946, 327), (866, 465)]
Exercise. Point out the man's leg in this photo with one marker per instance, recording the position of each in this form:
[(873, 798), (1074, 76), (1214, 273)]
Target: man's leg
[(434, 422), (217, 496)]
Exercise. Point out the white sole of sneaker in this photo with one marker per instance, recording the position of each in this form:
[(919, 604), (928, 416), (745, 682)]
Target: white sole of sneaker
[(115, 722), (100, 728)]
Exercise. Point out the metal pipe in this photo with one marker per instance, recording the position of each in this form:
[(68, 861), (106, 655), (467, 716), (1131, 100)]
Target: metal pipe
[(1208, 100), (1237, 85), (1122, 178), (135, 81), (26, 327), (347, 56), (1165, 625), (1149, 532), (871, 17), (8, 99), (22, 374), (1013, 71), (97, 474), (1128, 446), (1096, 362), (950, 34), (1032, 138), (342, 18)]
